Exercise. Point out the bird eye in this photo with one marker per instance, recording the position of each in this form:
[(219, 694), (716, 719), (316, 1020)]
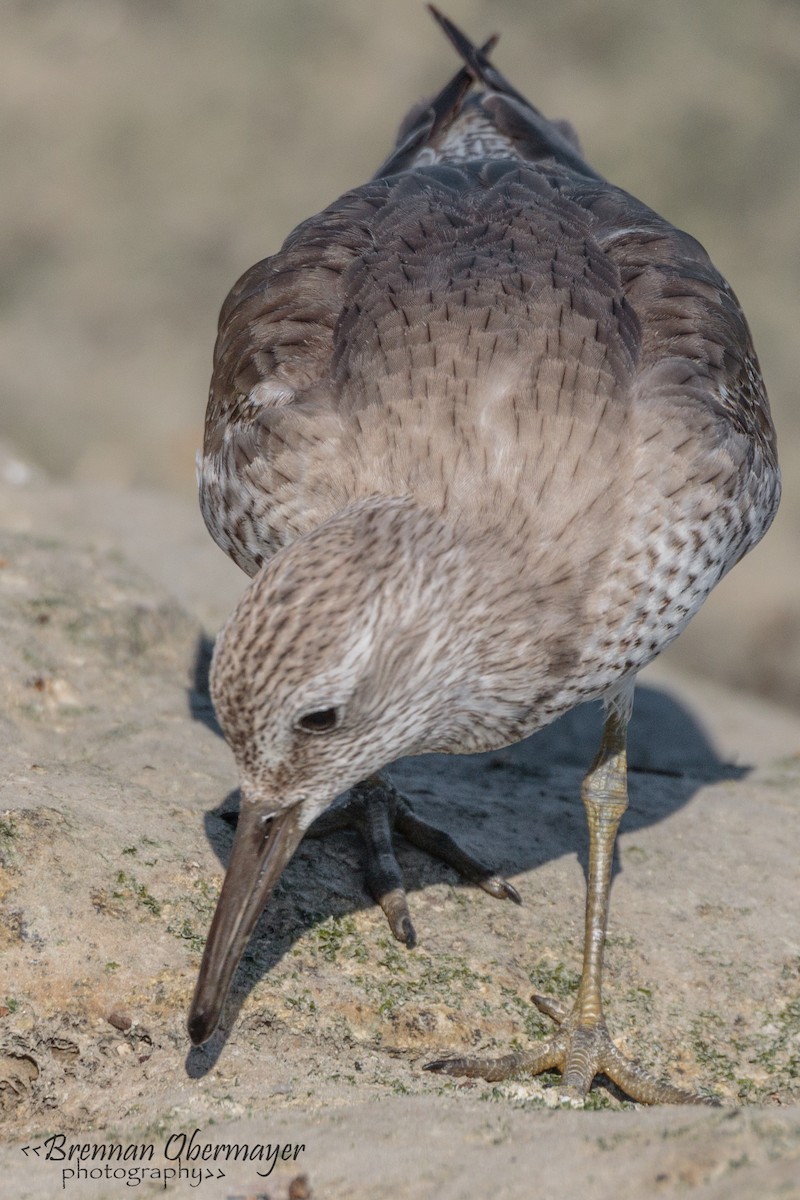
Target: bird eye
[(322, 720)]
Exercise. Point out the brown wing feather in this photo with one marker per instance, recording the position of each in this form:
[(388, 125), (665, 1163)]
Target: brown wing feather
[(276, 326), (419, 282), (696, 353)]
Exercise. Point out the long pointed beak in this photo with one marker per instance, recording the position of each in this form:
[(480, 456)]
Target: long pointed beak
[(261, 850)]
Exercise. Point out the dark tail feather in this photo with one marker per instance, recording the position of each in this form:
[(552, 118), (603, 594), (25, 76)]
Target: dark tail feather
[(535, 136), (477, 64), (423, 125)]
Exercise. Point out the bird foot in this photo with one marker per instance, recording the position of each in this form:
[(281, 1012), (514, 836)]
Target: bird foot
[(580, 1050), (376, 810)]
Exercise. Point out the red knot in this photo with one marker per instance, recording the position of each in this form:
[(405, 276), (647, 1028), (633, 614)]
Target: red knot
[(485, 433)]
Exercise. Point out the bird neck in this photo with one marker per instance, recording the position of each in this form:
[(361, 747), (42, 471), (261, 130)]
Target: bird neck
[(465, 615)]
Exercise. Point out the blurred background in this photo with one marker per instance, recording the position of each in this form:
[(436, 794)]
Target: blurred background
[(153, 149)]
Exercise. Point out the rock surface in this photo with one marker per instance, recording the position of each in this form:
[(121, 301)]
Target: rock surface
[(113, 849)]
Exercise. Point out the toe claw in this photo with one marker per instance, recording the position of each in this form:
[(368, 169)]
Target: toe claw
[(395, 907), (409, 933), (500, 888), (439, 1064), (554, 1009)]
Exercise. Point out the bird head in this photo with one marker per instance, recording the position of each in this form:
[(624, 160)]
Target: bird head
[(334, 663)]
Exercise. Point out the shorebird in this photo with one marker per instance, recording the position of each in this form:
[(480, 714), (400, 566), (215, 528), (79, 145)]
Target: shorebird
[(485, 433)]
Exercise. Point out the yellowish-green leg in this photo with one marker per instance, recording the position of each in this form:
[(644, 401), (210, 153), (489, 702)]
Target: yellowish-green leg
[(581, 1048)]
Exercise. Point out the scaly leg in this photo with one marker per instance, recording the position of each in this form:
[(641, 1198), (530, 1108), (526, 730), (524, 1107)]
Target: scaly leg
[(582, 1047), (376, 809)]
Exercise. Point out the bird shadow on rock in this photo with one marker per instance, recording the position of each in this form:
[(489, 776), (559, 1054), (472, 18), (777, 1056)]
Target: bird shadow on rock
[(515, 809)]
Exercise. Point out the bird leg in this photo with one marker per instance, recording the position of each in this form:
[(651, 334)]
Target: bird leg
[(582, 1047), (375, 809)]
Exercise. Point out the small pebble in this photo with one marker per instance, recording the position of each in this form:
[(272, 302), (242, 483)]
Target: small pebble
[(299, 1188), (119, 1020)]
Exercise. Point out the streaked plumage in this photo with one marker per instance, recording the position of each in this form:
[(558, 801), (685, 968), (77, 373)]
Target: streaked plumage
[(496, 429)]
